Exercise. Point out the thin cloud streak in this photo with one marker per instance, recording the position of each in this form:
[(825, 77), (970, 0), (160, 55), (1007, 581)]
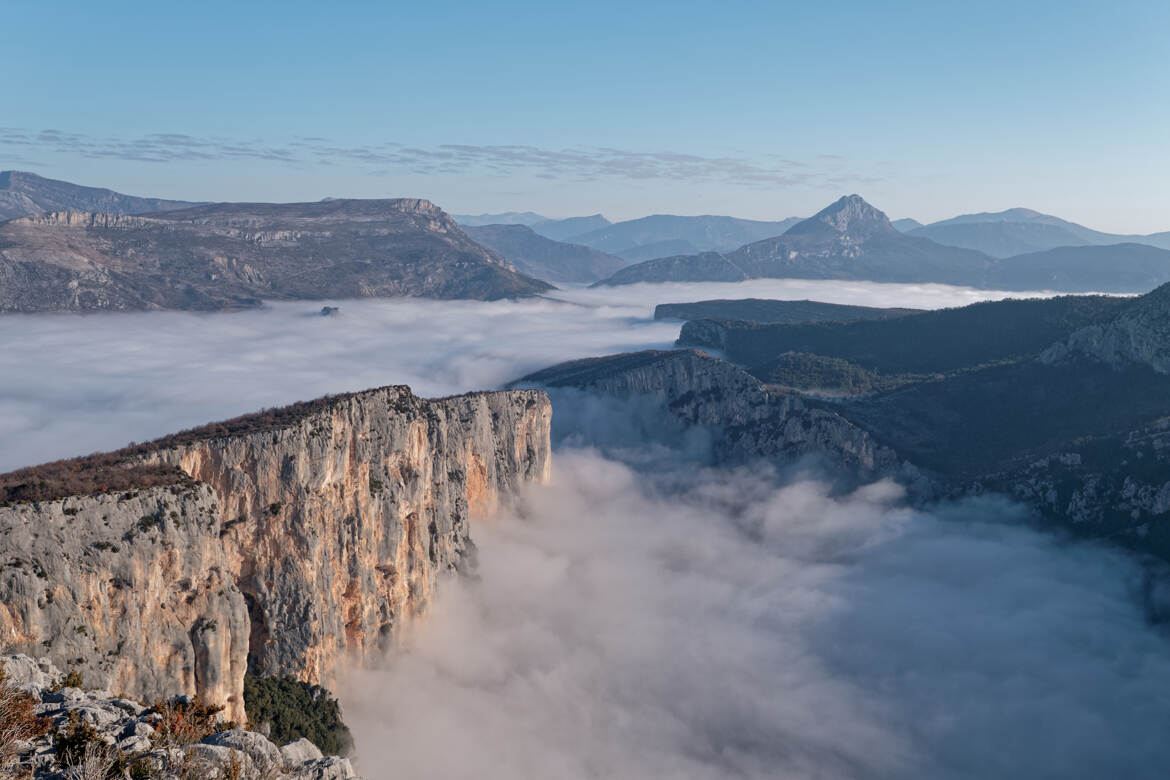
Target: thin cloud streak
[(580, 163)]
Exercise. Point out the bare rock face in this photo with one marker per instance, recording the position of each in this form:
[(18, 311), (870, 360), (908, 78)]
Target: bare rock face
[(1140, 334), (292, 547), (750, 422)]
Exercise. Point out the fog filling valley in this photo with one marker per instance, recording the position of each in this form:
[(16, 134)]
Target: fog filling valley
[(643, 615)]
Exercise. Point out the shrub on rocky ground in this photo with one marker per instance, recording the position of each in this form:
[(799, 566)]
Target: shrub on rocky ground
[(293, 709)]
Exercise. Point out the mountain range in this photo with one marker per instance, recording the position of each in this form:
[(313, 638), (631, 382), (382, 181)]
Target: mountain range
[(233, 255), (46, 265), (850, 239)]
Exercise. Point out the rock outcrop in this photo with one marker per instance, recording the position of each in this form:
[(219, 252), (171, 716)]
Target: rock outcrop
[(1139, 335), (292, 541), (749, 421), (75, 732)]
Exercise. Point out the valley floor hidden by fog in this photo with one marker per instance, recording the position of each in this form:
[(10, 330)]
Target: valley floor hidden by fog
[(76, 384), (674, 621)]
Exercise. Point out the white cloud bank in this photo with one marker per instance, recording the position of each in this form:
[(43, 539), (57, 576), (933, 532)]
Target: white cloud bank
[(74, 384)]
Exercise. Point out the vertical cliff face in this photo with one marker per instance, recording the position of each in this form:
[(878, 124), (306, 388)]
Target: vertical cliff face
[(292, 547), (748, 422)]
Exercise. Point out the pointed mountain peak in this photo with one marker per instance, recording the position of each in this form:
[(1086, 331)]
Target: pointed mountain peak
[(850, 217)]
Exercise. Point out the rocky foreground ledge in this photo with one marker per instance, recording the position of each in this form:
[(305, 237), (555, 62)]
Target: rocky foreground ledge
[(51, 730)]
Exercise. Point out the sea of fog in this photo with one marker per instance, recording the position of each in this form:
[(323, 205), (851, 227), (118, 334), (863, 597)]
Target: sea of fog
[(667, 622), (74, 384)]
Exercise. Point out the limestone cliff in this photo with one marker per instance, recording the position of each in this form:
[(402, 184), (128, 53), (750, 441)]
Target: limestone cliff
[(748, 420), (290, 545)]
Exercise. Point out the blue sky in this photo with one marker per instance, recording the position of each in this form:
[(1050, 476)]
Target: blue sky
[(761, 110)]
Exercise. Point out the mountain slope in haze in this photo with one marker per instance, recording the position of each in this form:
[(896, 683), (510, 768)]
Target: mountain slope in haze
[(505, 218), (22, 194), (1116, 268), (703, 267), (1019, 231), (543, 258), (760, 310), (705, 233), (672, 247), (232, 255), (565, 229), (849, 239), (905, 225)]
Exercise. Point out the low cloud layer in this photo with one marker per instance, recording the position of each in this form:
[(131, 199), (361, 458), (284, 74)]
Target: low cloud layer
[(622, 627), (76, 384)]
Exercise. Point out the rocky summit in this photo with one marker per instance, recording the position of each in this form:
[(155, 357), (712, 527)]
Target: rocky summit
[(234, 255)]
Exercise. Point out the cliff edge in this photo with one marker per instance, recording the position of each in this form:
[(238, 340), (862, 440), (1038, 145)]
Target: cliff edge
[(282, 542)]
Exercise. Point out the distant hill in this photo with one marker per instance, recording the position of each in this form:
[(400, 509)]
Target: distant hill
[(504, 218), (24, 193), (760, 310), (849, 239), (561, 229), (704, 233), (927, 343), (703, 267), (1020, 231), (1119, 268), (233, 255), (906, 224), (543, 258)]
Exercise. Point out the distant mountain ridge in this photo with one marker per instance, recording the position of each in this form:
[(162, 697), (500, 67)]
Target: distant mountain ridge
[(565, 229), (233, 255), (850, 239), (1019, 231), (704, 233), (544, 258), (23, 193), (505, 218)]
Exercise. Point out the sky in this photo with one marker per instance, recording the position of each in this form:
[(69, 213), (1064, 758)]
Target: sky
[(755, 109)]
